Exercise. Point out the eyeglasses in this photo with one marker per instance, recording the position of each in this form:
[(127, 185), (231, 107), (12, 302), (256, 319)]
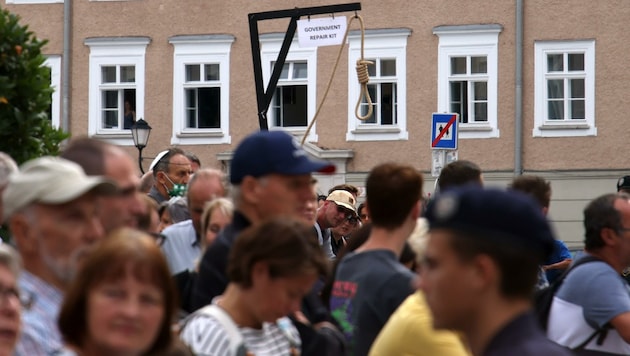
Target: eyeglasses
[(8, 293), (352, 219), (348, 214)]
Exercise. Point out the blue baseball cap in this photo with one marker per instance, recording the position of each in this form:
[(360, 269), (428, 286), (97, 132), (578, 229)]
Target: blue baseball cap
[(509, 217), (266, 152)]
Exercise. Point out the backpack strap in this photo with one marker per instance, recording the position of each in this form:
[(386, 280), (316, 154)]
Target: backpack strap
[(601, 331), (237, 345), (581, 261)]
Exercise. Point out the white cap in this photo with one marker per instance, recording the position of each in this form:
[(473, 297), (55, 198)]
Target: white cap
[(50, 180)]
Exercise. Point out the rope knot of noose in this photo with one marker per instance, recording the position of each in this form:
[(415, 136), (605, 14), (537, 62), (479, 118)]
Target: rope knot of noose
[(362, 76)]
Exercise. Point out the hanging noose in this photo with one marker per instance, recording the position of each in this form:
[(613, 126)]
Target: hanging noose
[(362, 76)]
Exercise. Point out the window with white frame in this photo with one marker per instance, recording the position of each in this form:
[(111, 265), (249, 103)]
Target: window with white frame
[(294, 101), (201, 89), (387, 87), (116, 86), (53, 62), (564, 88), (467, 77), (289, 106)]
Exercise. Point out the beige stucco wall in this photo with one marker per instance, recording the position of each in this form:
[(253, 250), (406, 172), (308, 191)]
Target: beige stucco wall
[(580, 168)]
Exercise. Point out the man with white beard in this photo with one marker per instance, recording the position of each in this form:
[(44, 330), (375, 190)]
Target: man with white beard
[(51, 208)]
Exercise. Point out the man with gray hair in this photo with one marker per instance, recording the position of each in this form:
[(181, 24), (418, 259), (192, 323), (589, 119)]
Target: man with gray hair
[(171, 172), (99, 158), (270, 176), (51, 209), (182, 241)]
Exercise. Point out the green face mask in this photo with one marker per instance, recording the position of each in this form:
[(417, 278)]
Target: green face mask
[(178, 190)]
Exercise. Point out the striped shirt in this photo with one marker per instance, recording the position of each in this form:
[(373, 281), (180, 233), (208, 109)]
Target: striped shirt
[(206, 336), (40, 335)]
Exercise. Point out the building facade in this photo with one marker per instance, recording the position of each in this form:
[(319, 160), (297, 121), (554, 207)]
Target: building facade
[(540, 86)]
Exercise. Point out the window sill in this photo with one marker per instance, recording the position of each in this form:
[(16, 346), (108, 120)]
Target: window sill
[(200, 138), (474, 127), (564, 126), (565, 129), (28, 2), (377, 134), (119, 138), (474, 131), (376, 130)]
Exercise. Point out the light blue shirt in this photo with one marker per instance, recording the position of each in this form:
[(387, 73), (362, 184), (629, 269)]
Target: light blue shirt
[(181, 247), (40, 334)]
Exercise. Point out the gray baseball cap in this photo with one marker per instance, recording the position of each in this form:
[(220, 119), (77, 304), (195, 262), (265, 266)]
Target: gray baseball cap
[(50, 180)]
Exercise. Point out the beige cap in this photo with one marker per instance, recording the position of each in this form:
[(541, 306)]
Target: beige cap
[(50, 180), (343, 198)]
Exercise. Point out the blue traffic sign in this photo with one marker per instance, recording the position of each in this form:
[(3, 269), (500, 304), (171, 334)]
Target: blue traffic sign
[(444, 131)]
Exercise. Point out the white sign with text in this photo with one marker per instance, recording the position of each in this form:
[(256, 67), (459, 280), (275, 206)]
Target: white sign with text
[(326, 31)]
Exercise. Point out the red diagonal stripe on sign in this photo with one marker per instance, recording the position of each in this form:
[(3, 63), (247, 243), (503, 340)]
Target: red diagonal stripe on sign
[(444, 130)]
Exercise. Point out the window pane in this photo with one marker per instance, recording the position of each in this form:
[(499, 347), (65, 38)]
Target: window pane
[(456, 91), (556, 110), (555, 89), (365, 107), (481, 112), (129, 106), (458, 65), (212, 71), (554, 63), (300, 70), (110, 119), (480, 91), (110, 99), (577, 110), (294, 105), (388, 101), (127, 74), (577, 88), (191, 118), (191, 107), (285, 70), (108, 74), (193, 73), (388, 67), (479, 65), (209, 108), (576, 61), (277, 106), (372, 68), (191, 98), (459, 100)]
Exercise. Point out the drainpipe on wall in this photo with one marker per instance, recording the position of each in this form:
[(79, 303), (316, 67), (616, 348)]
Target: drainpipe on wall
[(65, 66), (518, 119)]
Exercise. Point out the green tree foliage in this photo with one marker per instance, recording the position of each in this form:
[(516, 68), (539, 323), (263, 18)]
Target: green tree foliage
[(25, 94)]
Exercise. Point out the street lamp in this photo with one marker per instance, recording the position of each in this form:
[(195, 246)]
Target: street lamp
[(140, 132)]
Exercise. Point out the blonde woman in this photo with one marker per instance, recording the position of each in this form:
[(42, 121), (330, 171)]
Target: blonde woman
[(217, 214)]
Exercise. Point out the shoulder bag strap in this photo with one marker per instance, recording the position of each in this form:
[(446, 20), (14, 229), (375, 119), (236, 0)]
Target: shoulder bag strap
[(236, 339)]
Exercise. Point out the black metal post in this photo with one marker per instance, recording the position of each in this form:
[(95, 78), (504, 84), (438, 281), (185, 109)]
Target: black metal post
[(140, 158)]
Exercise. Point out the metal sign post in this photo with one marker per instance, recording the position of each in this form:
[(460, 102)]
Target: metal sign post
[(443, 140)]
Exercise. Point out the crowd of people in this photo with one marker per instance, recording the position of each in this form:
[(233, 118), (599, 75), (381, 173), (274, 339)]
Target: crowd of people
[(187, 260)]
